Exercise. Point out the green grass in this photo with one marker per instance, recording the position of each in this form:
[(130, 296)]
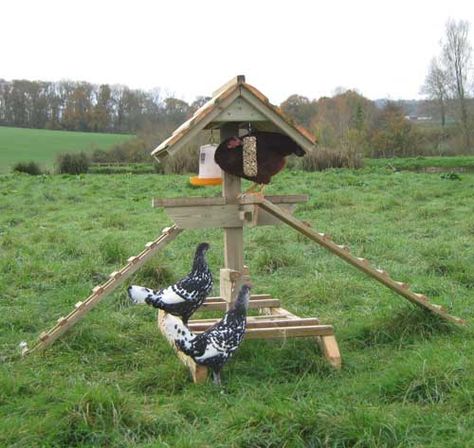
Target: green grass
[(42, 146), (113, 381), (465, 163)]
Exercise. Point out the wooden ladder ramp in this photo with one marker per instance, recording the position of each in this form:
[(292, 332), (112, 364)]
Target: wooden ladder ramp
[(360, 263), (99, 292)]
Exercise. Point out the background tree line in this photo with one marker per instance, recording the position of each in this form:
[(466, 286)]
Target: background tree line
[(82, 106), (346, 122)]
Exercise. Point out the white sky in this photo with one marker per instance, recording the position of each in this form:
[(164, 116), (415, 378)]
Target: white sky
[(191, 47)]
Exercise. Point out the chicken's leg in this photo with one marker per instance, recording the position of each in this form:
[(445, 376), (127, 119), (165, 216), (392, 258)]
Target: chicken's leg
[(216, 377)]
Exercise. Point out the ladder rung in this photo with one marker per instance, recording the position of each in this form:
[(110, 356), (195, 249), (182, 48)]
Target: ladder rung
[(343, 247), (382, 272), (132, 259), (97, 289), (62, 320), (421, 297), (149, 244), (78, 304), (325, 236), (403, 285), (438, 307), (43, 336), (165, 229), (362, 260), (115, 274)]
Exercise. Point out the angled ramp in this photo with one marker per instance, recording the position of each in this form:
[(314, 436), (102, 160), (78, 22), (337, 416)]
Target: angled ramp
[(99, 292), (360, 263)]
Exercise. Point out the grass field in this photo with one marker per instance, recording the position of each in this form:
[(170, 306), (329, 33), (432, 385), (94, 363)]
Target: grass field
[(113, 381), (42, 146), (460, 163)]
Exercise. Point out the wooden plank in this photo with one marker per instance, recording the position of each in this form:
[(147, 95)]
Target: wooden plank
[(282, 312), (253, 298), (233, 237), (359, 263), (262, 317), (227, 281), (330, 350), (81, 308), (198, 373), (183, 202), (289, 332), (210, 216), (287, 198), (254, 304), (258, 323), (240, 110), (302, 331), (203, 201)]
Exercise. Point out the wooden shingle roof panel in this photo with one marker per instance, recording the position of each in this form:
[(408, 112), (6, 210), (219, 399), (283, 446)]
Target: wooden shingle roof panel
[(222, 99)]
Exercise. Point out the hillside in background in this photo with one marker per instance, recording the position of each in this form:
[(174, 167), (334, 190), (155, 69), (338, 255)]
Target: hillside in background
[(42, 146)]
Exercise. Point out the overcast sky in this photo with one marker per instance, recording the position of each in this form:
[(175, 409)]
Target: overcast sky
[(189, 48)]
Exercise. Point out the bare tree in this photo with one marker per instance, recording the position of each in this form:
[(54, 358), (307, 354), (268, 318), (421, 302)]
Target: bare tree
[(457, 53), (436, 87)]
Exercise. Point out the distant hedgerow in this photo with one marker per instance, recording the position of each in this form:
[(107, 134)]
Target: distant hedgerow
[(74, 163), (28, 167), (324, 158)]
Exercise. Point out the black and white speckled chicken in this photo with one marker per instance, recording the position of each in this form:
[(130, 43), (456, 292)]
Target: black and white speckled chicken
[(184, 297), (216, 345)]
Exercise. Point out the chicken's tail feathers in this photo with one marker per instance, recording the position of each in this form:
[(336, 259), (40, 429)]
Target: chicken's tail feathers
[(175, 330), (139, 294)]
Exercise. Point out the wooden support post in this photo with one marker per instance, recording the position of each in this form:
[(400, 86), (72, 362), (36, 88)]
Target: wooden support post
[(330, 350), (233, 236)]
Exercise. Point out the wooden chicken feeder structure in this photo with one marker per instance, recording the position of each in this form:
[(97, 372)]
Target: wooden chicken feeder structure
[(230, 110)]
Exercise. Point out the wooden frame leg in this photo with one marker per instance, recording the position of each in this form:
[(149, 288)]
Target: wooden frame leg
[(330, 350)]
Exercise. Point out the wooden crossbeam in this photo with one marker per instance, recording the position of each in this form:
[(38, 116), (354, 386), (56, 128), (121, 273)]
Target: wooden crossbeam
[(298, 331), (342, 252), (99, 292), (221, 305), (258, 323)]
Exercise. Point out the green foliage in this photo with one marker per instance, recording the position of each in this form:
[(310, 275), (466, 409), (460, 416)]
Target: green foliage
[(113, 381), (28, 167), (393, 134), (74, 163)]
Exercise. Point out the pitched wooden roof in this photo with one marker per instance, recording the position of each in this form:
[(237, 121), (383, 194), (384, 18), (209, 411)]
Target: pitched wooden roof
[(235, 101)]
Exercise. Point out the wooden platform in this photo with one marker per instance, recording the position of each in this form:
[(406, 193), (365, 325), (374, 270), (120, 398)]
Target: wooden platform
[(274, 322)]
